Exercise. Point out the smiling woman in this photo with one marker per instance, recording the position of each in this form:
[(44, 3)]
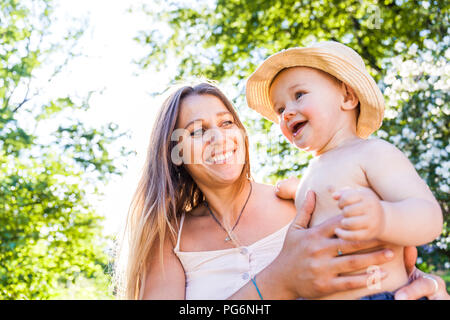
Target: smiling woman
[(211, 131)]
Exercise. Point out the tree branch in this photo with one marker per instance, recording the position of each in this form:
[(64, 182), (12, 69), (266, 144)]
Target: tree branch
[(364, 50)]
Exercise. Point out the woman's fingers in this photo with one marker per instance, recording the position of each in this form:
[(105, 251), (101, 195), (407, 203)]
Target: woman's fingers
[(303, 217), (431, 287), (326, 228), (348, 247), (410, 257), (344, 264), (345, 283)]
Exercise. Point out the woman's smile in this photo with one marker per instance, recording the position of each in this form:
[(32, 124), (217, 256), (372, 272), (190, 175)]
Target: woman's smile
[(221, 158)]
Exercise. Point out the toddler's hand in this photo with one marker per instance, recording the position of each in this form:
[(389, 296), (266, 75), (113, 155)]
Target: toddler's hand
[(363, 214), (285, 189)]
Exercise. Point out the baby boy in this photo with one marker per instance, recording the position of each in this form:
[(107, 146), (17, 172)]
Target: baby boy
[(326, 103)]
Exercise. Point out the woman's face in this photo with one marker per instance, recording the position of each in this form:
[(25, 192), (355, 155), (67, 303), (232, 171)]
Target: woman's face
[(212, 146)]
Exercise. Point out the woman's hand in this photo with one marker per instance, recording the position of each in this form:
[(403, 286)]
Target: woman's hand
[(421, 284), (309, 265)]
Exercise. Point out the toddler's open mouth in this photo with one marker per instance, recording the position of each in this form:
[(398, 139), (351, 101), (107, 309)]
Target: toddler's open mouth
[(297, 127)]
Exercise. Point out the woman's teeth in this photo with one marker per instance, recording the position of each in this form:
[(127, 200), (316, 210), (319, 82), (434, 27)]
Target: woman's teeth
[(221, 158)]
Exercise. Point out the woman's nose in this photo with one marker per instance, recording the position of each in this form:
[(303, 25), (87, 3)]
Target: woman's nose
[(213, 135), (218, 141)]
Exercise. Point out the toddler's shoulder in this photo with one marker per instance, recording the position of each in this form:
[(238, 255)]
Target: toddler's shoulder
[(381, 154), (378, 147)]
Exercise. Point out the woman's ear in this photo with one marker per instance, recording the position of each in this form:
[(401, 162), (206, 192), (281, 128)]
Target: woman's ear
[(351, 100)]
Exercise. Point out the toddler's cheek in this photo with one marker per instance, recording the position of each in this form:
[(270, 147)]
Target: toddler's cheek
[(286, 132), (309, 111)]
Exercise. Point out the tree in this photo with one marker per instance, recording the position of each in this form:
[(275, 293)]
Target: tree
[(417, 86), (49, 234), (226, 40), (236, 35)]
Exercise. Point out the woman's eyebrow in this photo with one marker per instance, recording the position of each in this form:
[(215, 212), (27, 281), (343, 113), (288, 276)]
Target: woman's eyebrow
[(223, 113), (201, 120), (191, 122)]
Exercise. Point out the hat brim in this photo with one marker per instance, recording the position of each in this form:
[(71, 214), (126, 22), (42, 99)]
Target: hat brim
[(369, 95)]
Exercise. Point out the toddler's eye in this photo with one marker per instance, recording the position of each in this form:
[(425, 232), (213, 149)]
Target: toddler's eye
[(280, 110), (298, 95)]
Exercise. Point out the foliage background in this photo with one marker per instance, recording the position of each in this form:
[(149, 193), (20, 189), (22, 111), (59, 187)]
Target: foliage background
[(51, 241), (50, 236)]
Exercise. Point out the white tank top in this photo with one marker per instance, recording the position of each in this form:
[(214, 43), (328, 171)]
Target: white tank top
[(218, 274)]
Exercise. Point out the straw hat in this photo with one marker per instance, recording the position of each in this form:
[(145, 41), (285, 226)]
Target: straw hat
[(332, 57)]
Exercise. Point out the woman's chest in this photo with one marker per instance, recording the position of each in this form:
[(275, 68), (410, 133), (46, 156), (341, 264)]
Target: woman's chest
[(262, 219)]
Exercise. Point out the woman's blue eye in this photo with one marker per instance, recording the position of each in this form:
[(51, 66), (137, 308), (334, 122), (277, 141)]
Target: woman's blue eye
[(228, 122), (280, 110)]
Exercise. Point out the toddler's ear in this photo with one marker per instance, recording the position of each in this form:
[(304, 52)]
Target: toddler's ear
[(350, 98)]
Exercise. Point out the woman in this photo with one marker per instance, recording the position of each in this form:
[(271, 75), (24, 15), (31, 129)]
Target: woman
[(199, 228)]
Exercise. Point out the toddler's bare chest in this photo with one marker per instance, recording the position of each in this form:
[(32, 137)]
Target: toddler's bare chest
[(324, 178)]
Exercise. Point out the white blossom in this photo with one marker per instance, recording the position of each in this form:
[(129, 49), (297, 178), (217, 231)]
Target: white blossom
[(400, 46), (396, 139), (447, 53), (382, 134), (425, 4), (444, 188), (430, 44), (413, 49), (404, 95)]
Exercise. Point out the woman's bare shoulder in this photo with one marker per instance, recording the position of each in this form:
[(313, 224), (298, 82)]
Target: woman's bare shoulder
[(165, 279), (269, 201)]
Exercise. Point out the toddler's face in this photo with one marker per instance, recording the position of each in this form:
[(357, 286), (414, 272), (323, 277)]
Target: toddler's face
[(307, 102)]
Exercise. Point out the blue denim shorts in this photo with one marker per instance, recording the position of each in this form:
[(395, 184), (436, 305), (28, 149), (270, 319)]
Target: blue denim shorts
[(387, 295)]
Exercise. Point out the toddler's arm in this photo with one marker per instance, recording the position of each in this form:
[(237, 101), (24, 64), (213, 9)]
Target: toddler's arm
[(407, 214), (286, 189)]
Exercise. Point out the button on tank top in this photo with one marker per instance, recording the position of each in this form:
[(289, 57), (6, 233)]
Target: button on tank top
[(218, 274)]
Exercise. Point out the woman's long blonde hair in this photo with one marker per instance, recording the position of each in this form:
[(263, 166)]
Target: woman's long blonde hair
[(164, 191)]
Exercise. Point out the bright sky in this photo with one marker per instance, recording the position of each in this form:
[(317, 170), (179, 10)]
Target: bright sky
[(107, 66), (122, 97)]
